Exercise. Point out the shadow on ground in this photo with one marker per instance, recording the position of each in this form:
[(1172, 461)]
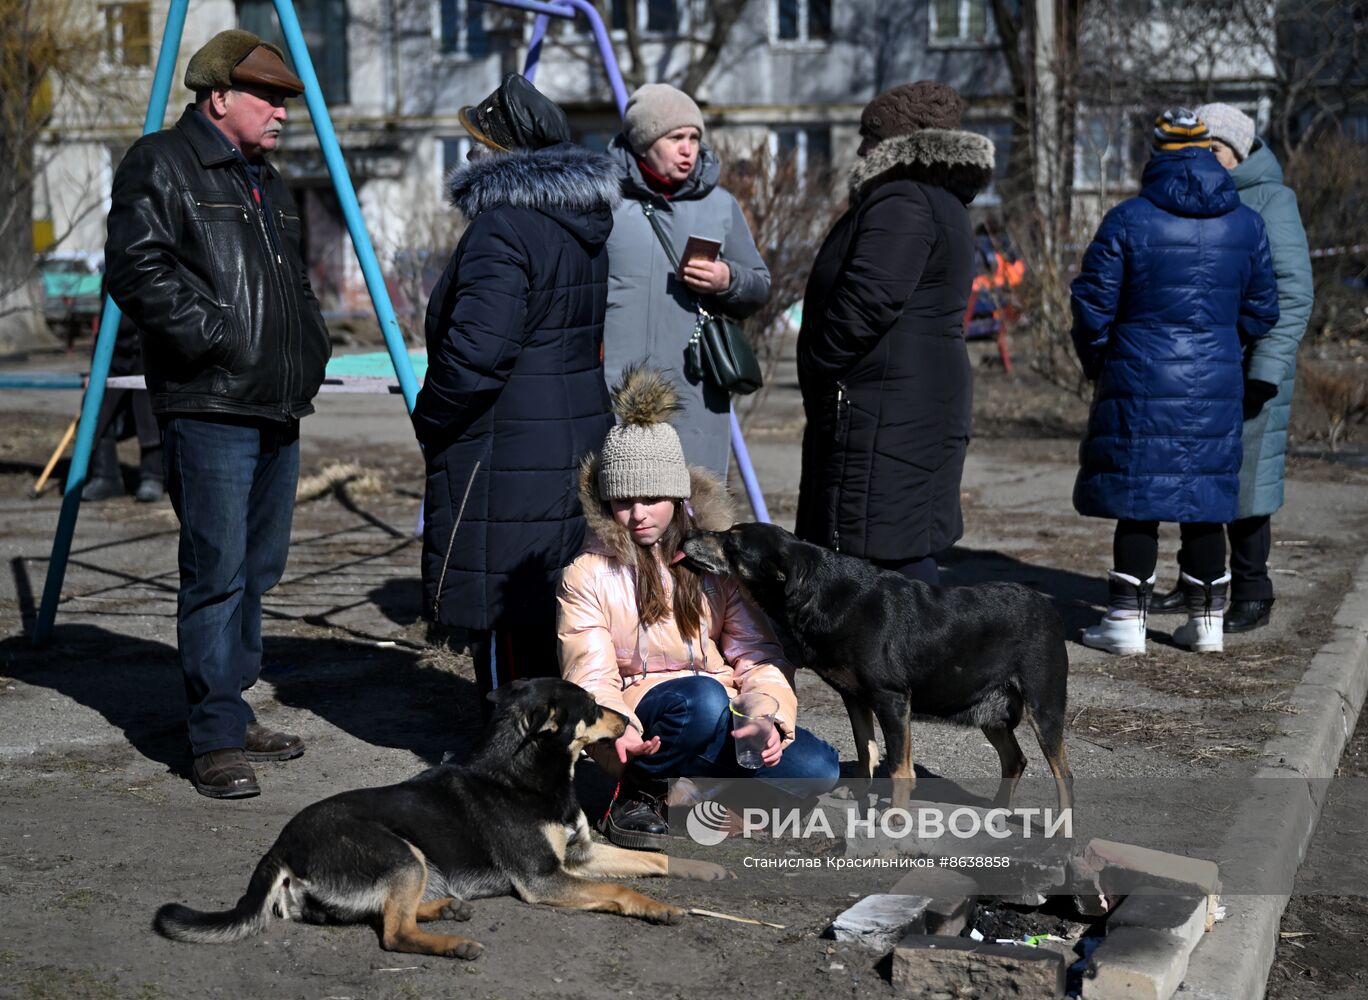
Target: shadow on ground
[(1076, 597), (383, 696)]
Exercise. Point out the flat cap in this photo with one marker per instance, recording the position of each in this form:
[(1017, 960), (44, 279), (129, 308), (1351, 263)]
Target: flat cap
[(237, 57)]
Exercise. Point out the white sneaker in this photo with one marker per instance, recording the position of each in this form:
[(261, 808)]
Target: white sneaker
[(1122, 636), (1202, 633)]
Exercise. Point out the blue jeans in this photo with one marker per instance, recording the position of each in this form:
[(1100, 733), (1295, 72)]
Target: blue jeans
[(691, 717), (232, 483)]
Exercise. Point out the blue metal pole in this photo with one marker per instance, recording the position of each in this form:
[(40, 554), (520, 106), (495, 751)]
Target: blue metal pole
[(104, 350), (346, 195)]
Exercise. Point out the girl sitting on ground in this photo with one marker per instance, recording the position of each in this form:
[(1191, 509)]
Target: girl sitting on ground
[(667, 647)]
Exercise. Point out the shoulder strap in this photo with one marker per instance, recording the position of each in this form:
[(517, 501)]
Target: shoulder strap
[(649, 212)]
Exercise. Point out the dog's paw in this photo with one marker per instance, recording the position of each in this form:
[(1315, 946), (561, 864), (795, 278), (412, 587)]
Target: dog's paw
[(457, 909), (668, 915), (464, 948), (701, 871)]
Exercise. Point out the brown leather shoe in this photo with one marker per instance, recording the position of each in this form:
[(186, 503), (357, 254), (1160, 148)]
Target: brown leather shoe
[(267, 744), (224, 774)]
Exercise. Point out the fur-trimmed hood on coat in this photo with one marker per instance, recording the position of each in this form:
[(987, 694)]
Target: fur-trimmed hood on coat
[(564, 179), (960, 162), (712, 510)]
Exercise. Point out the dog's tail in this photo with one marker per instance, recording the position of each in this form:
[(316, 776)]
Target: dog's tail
[(253, 910)]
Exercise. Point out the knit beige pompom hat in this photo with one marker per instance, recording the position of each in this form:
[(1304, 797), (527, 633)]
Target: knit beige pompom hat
[(642, 456)]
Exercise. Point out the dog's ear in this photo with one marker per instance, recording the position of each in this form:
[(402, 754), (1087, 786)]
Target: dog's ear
[(797, 564), (542, 719)]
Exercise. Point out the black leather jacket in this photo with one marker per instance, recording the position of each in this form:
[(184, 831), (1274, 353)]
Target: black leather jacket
[(216, 283)]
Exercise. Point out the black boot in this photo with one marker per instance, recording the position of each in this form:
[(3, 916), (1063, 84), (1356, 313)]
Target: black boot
[(1246, 616), (150, 485), (636, 817), (104, 478), (1169, 603)]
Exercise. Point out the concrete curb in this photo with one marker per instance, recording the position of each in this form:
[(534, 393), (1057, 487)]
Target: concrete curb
[(1234, 960)]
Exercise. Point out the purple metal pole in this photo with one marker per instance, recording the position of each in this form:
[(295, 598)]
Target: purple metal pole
[(534, 47)]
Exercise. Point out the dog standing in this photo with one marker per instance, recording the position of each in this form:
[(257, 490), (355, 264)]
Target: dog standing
[(986, 655), (505, 822)]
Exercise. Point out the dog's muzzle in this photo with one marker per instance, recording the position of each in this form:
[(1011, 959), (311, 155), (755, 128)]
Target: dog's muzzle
[(703, 551)]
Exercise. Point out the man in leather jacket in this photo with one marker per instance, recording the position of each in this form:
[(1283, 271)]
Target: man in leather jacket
[(203, 254)]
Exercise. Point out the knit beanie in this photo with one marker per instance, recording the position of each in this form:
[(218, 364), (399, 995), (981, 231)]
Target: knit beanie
[(1179, 128), (910, 107), (655, 109), (641, 456), (1230, 125)]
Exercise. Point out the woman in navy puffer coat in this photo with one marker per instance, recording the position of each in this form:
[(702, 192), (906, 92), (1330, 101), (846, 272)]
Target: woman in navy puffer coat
[(514, 394), (1176, 283)]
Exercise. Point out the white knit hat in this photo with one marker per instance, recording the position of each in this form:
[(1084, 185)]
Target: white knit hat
[(641, 456), (1230, 126), (655, 109)]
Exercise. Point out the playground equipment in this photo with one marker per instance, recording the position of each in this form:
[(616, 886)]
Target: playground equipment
[(365, 252)]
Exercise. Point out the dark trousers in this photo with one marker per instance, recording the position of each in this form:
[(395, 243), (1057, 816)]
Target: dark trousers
[(692, 717), (504, 655), (232, 484), (1251, 540), (1135, 549), (923, 569)]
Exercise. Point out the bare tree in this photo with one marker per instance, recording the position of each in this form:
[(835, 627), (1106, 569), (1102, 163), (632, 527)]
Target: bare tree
[(789, 213), (50, 58), (704, 31)]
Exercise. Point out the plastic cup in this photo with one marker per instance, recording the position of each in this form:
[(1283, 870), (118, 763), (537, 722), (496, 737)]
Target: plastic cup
[(752, 718)]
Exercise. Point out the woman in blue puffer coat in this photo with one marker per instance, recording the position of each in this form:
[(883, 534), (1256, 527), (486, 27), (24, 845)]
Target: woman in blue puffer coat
[(1175, 284)]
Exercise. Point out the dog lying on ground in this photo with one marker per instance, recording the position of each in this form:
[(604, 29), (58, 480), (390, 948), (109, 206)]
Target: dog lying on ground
[(505, 822), (985, 655)]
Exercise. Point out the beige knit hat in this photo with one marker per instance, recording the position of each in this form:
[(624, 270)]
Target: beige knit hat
[(1230, 125), (641, 456), (655, 109)]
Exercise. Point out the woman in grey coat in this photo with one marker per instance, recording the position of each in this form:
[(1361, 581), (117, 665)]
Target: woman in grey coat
[(665, 167), (1270, 368)]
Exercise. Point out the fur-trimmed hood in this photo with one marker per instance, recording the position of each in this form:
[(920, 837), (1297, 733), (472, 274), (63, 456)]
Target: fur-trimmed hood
[(958, 161), (565, 181), (712, 509)]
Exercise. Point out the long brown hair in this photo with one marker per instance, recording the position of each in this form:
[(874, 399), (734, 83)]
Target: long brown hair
[(688, 590)]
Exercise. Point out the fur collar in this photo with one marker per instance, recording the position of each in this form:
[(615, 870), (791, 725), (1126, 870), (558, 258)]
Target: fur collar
[(961, 162), (711, 502), (564, 176)]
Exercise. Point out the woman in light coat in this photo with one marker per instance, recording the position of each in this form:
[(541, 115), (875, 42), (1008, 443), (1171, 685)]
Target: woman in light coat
[(665, 168), (1271, 368)]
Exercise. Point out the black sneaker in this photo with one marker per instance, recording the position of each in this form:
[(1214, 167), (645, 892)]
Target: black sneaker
[(636, 818)]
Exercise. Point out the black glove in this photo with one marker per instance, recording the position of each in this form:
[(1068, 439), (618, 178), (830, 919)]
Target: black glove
[(1256, 394)]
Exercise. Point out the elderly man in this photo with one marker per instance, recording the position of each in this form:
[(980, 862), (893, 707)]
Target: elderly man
[(203, 254)]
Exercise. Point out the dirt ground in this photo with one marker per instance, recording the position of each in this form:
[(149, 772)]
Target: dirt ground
[(98, 825)]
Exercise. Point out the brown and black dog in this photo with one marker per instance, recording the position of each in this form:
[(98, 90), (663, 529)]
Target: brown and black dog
[(986, 655), (505, 822)]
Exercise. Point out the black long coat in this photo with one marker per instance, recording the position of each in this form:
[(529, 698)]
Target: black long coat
[(514, 393), (886, 381)]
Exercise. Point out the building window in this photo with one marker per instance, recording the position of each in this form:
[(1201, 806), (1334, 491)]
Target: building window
[(324, 25), (959, 22), (801, 21), (461, 28), (451, 153), (1000, 132), (651, 17), (1111, 150), (128, 34), (807, 147)]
